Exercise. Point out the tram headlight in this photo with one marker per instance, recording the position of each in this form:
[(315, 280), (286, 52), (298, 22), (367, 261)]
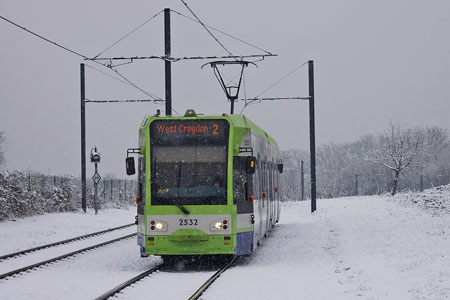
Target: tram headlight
[(157, 225), (219, 225)]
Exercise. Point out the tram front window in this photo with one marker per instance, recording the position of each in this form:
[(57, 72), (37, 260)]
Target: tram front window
[(188, 175)]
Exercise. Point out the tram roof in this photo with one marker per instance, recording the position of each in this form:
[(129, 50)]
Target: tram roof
[(244, 122)]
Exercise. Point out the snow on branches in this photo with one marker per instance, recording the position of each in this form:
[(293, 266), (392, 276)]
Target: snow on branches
[(399, 148)]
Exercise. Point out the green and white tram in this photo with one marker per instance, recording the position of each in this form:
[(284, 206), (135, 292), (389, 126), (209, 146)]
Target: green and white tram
[(207, 185)]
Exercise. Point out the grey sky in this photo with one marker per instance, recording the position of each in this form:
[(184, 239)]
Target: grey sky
[(375, 62)]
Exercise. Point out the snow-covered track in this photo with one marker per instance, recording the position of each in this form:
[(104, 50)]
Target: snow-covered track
[(36, 265), (127, 283), (162, 267), (10, 255), (210, 281)]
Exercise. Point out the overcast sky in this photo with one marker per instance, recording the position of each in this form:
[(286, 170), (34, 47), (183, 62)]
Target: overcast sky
[(375, 62)]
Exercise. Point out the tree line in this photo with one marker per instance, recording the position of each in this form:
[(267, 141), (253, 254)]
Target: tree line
[(400, 158), (3, 142), (31, 193)]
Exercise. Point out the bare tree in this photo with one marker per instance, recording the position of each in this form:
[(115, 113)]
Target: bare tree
[(435, 142), (331, 165), (399, 148)]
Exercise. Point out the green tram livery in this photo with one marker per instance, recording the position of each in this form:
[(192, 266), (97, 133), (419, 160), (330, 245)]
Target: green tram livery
[(206, 185)]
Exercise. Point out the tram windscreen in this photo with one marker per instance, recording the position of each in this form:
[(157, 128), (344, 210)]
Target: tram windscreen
[(189, 162)]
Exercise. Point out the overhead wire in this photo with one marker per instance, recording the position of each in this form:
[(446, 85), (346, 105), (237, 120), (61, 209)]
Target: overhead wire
[(229, 52), (125, 79), (272, 86), (128, 34), (176, 59), (106, 74), (284, 77), (118, 100), (173, 59), (80, 55), (206, 28), (224, 33), (155, 99), (133, 84), (43, 38)]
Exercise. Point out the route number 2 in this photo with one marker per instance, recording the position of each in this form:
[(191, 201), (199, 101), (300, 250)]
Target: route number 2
[(216, 129)]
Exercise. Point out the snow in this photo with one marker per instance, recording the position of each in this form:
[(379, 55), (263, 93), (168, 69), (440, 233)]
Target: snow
[(34, 231), (378, 247)]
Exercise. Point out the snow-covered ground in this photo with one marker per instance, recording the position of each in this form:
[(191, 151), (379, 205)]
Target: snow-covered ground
[(350, 248)]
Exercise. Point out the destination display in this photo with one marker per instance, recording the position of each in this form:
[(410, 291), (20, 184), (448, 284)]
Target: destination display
[(177, 131)]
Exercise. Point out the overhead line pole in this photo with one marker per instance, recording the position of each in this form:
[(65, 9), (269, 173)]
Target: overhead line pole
[(312, 131), (312, 135), (168, 67), (83, 139), (83, 101), (302, 179)]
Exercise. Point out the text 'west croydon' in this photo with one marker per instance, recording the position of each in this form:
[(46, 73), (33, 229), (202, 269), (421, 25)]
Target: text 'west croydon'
[(192, 129)]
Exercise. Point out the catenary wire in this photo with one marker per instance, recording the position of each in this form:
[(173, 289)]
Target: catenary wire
[(176, 59), (273, 85), (106, 74), (43, 38), (222, 32), (206, 28), (128, 34), (276, 83), (118, 100), (130, 82), (76, 53)]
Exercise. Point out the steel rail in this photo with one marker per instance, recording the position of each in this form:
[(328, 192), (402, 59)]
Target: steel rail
[(63, 242), (17, 271), (127, 283), (210, 281)]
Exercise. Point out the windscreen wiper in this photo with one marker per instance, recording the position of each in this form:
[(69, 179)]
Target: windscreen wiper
[(183, 209)]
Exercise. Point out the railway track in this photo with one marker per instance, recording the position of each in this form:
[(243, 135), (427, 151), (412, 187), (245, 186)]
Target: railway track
[(81, 237), (127, 283), (73, 253), (210, 281), (195, 296)]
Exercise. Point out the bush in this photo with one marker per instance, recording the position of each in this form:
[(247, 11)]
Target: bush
[(20, 198)]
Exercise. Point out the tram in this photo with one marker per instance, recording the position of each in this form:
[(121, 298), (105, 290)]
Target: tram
[(206, 185)]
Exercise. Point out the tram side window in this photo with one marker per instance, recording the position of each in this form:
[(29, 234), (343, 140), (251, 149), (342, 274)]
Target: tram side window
[(276, 176), (272, 187), (269, 190), (256, 185), (242, 187), (263, 183)]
